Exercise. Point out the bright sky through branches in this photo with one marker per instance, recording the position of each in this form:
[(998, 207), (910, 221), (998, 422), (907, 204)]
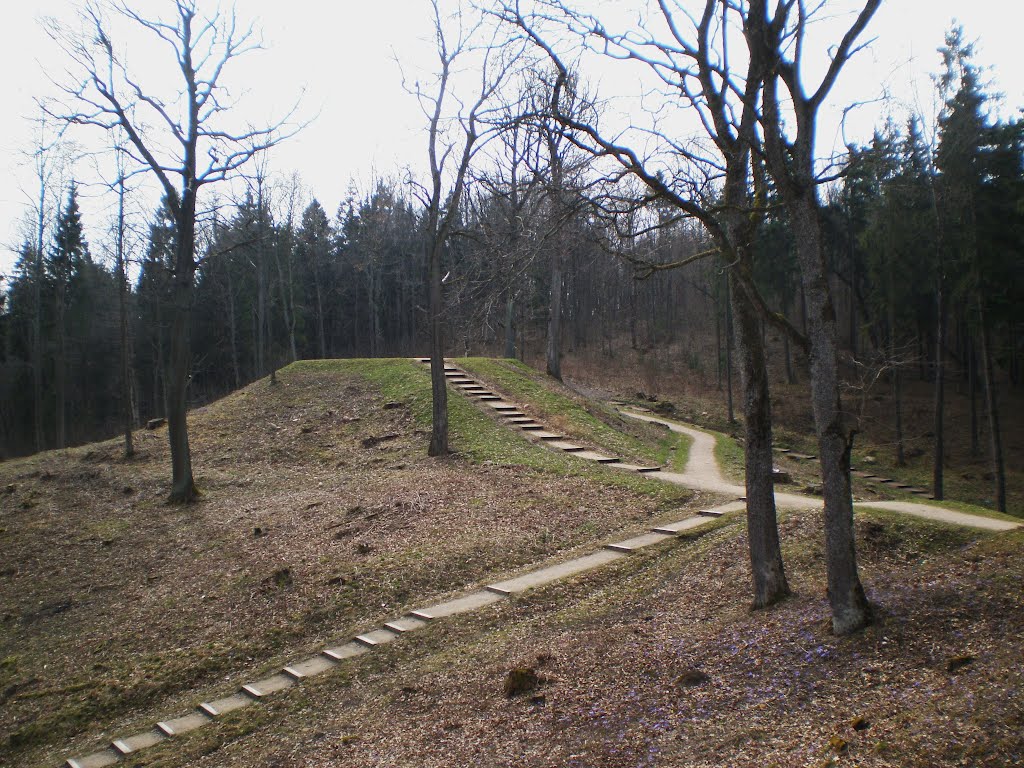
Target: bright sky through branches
[(341, 57)]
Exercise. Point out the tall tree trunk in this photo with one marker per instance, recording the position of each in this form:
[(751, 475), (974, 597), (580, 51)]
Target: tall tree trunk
[(60, 365), (940, 392), (37, 322), (510, 327), (183, 486), (438, 387), (728, 350), (995, 436), (769, 576), (718, 339), (895, 373), (554, 354), (972, 392), (850, 609), (127, 409), (320, 315)]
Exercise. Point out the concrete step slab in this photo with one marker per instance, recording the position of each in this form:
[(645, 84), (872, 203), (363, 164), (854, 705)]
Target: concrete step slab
[(314, 665), (540, 433), (464, 604), (346, 651), (184, 724), (377, 637), (268, 685), (555, 572), (600, 458), (517, 417), (406, 624), (95, 760), (711, 512), (682, 526), (565, 446), (139, 741), (488, 397), (219, 707), (503, 406), (460, 381), (633, 467), (639, 542)]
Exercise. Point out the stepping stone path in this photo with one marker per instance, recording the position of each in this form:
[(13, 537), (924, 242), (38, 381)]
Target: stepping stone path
[(701, 472)]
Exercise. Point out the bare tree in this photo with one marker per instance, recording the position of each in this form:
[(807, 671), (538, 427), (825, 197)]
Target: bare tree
[(778, 39), (455, 134), (713, 185), (192, 148)]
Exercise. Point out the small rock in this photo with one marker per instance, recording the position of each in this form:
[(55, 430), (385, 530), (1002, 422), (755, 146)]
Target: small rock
[(838, 744), (870, 460), (692, 677), (155, 423), (812, 490), (393, 405), (860, 723), (521, 680), (362, 548), (781, 476), (9, 488), (957, 663)]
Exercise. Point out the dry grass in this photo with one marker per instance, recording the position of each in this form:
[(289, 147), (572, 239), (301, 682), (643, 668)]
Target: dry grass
[(321, 515), (656, 661)]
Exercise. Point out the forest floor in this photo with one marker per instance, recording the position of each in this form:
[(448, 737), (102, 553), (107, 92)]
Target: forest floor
[(321, 517), (672, 378)]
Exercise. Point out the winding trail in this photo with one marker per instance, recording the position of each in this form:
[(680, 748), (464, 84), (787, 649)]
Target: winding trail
[(702, 472)]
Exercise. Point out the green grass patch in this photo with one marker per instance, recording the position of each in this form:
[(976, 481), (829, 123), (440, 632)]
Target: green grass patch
[(730, 457), (475, 435), (580, 419)]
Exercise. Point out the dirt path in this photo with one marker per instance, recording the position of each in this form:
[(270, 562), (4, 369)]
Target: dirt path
[(702, 473)]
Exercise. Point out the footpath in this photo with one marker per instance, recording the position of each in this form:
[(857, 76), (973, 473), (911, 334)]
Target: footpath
[(701, 473)]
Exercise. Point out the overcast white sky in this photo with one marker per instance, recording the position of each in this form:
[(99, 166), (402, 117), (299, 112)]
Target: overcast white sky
[(342, 55)]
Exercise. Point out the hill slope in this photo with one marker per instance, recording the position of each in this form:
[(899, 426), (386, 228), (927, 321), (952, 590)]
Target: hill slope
[(322, 516)]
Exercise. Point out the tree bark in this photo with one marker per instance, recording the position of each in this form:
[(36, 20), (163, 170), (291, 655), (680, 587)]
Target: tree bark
[(127, 409), (183, 487), (60, 364), (940, 391), (728, 351), (554, 347), (438, 387), (767, 571), (995, 436), (850, 609), (510, 327)]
